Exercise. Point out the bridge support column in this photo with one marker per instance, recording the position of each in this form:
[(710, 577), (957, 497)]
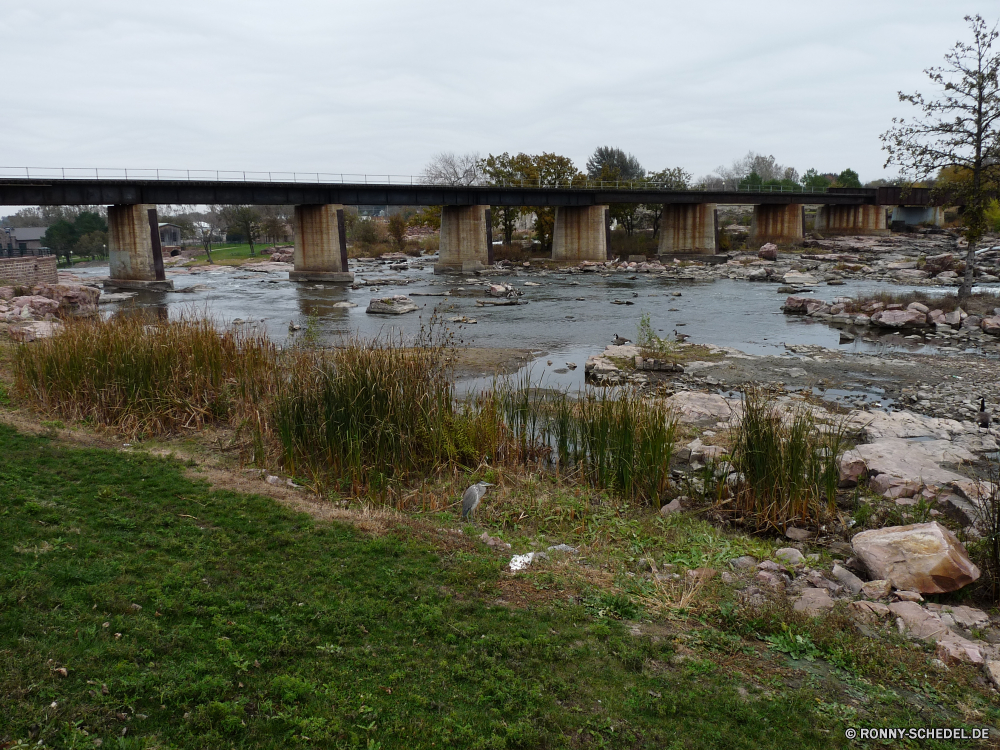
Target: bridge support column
[(320, 244), (464, 233), (851, 220), (134, 249), (688, 228), (780, 224), (580, 233)]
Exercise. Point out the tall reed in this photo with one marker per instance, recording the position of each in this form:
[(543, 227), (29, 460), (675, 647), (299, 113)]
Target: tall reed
[(788, 464), (140, 375)]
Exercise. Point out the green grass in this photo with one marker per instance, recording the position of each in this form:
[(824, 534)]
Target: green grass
[(261, 628), (233, 253)]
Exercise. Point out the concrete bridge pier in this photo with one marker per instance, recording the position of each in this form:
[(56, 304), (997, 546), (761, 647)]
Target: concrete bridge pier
[(903, 216), (851, 220), (581, 233), (688, 229), (465, 232), (320, 244), (134, 253), (780, 224)]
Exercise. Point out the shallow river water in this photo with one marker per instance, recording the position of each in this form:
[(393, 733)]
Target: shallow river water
[(568, 317)]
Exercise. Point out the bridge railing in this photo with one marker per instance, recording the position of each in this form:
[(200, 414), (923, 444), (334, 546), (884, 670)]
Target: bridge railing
[(335, 178)]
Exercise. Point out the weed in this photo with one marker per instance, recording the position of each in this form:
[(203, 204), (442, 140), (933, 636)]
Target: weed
[(796, 645), (788, 466)]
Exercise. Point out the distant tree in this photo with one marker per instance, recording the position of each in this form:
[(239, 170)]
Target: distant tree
[(207, 228), (397, 230), (89, 221), (60, 238), (813, 179), (766, 168), (847, 179), (550, 169), (957, 128), (608, 160), (504, 170), (244, 219), (93, 244), (447, 168)]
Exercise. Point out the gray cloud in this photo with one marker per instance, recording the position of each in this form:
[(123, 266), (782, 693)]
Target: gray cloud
[(308, 85)]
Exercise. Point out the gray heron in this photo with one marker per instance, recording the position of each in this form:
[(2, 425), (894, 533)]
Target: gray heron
[(471, 498)]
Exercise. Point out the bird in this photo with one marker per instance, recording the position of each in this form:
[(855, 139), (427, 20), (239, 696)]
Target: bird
[(619, 341), (471, 498), (984, 416), (680, 337)]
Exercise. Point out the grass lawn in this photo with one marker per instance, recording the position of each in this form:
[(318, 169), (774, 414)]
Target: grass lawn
[(232, 254), (140, 607)]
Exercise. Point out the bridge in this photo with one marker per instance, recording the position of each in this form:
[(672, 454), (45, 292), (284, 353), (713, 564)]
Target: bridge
[(688, 224)]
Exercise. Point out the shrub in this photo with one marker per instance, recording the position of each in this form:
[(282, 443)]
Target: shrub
[(139, 375), (788, 464)]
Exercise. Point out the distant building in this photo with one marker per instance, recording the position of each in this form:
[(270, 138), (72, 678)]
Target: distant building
[(170, 234), (21, 240)]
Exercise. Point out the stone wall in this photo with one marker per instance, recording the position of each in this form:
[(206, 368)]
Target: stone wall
[(29, 270)]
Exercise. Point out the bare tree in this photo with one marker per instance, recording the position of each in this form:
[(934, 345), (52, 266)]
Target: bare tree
[(244, 219), (956, 131), (208, 230), (447, 168), (765, 167)]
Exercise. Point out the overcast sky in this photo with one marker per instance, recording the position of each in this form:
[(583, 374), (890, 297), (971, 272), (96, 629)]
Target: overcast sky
[(315, 85)]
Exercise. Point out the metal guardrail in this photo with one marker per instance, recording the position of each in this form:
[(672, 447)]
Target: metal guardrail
[(216, 175)]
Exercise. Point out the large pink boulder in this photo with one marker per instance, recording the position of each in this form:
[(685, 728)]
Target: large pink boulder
[(899, 319), (768, 252), (924, 557), (75, 299), (36, 305), (991, 325)]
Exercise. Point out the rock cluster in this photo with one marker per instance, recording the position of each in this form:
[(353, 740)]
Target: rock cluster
[(396, 305), (43, 303)]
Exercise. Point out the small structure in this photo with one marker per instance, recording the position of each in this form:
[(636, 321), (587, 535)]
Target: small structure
[(170, 234), (16, 241)]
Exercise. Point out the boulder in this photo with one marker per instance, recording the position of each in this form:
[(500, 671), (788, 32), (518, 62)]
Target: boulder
[(903, 461), (923, 557), (992, 669), (768, 252), (797, 304), (797, 278), (850, 581), (396, 305), (852, 469), (674, 506), (869, 612), (34, 330), (928, 626), (899, 319), (813, 602), (75, 299), (695, 407), (790, 555), (918, 307), (30, 306), (991, 325), (935, 264), (878, 589)]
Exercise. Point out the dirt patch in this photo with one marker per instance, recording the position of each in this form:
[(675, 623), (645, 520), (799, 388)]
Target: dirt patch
[(474, 361), (521, 592)]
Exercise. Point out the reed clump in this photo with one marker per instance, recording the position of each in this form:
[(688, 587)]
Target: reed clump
[(139, 375), (786, 463)]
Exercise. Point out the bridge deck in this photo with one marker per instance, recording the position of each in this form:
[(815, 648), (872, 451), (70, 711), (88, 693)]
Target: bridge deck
[(77, 192)]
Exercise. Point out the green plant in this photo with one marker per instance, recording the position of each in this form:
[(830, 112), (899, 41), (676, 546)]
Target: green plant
[(650, 343), (787, 466), (796, 645)]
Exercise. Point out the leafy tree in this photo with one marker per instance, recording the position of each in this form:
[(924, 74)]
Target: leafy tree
[(397, 230), (89, 221), (957, 128), (506, 169), (60, 237), (813, 179), (244, 219), (615, 163), (551, 169), (93, 244), (847, 179)]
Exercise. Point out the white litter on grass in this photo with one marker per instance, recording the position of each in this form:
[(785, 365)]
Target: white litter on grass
[(520, 562)]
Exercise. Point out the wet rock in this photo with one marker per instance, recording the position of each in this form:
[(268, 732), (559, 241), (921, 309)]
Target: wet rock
[(397, 305), (925, 557), (813, 602), (790, 555), (899, 319)]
